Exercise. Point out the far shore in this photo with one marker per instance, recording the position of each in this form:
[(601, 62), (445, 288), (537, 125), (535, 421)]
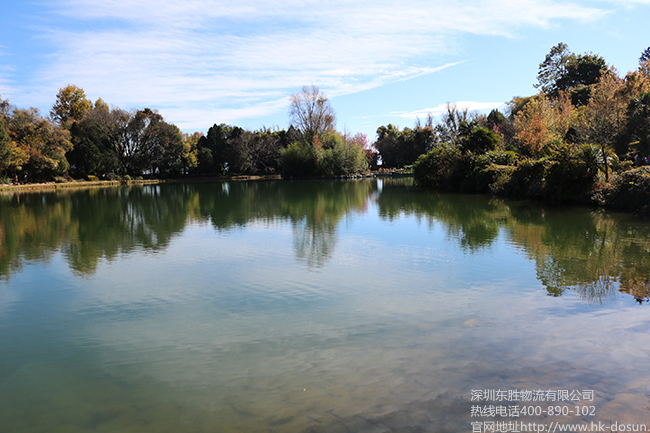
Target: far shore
[(52, 186)]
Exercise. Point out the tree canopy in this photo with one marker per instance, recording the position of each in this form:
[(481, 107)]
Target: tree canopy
[(71, 105), (563, 70)]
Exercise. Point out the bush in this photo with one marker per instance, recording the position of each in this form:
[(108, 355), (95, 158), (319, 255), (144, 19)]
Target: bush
[(299, 159), (331, 157), (572, 173), (444, 168), (526, 179), (481, 140), (500, 175), (567, 173), (630, 190), (501, 157), (447, 168)]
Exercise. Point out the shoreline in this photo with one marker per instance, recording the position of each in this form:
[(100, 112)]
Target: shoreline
[(79, 184), (53, 186)]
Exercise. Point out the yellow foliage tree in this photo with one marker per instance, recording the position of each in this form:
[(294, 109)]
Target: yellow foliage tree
[(542, 120), (71, 105)]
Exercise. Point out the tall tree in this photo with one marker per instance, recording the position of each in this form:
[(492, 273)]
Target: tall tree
[(93, 152), (553, 68), (311, 112), (563, 70), (71, 105), (213, 149)]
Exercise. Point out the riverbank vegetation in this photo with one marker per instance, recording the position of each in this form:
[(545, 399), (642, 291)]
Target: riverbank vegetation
[(583, 138)]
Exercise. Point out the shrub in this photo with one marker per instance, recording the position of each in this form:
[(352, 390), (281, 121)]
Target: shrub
[(526, 179), (500, 175), (572, 173), (502, 157), (481, 140), (483, 175), (330, 157), (444, 167), (630, 190), (299, 159)]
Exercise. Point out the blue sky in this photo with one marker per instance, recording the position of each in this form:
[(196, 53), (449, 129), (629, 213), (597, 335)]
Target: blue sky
[(201, 62)]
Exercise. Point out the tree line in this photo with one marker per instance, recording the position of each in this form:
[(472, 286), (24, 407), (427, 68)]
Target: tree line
[(584, 109), (82, 139), (583, 138)]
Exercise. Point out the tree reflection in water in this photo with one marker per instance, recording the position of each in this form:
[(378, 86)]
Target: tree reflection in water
[(593, 253)]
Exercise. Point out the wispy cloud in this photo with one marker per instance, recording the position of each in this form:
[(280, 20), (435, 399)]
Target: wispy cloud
[(442, 108), (219, 60)]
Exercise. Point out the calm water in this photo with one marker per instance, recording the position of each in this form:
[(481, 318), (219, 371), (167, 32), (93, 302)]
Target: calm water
[(364, 306)]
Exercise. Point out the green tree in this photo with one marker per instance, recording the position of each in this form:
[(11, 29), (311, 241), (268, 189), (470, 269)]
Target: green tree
[(213, 150), (93, 152), (638, 124), (563, 70), (399, 148), (553, 68), (45, 143), (167, 152), (387, 145), (481, 140), (71, 105), (299, 159), (142, 141)]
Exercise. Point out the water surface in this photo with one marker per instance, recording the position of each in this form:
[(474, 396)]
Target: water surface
[(315, 306)]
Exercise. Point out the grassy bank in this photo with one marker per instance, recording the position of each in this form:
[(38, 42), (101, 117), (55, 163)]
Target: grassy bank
[(52, 186)]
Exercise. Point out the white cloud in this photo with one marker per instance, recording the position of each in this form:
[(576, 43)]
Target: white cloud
[(442, 108), (222, 59)]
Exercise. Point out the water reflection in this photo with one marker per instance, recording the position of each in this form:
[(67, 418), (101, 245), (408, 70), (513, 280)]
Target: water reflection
[(310, 307), (594, 253)]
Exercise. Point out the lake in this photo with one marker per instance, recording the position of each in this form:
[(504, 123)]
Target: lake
[(318, 306)]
